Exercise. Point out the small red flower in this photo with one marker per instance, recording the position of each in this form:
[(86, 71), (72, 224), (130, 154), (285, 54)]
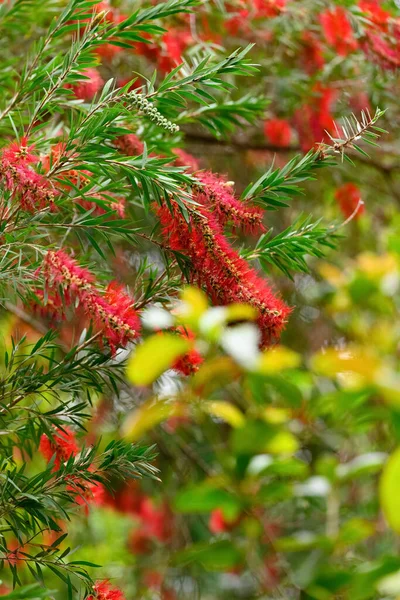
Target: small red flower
[(188, 363), (278, 132), (348, 197), (102, 590), (337, 30), (63, 445)]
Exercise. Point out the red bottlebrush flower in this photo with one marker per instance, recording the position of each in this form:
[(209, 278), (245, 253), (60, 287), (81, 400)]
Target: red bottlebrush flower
[(60, 269), (278, 132), (174, 44), (102, 590), (216, 193), (157, 520), (129, 144), (87, 88), (312, 55), (19, 153), (113, 314), (337, 30), (381, 51), (374, 12), (238, 22), (269, 8), (33, 190), (139, 542), (313, 120), (348, 197), (63, 445), (216, 265), (188, 363), (184, 159)]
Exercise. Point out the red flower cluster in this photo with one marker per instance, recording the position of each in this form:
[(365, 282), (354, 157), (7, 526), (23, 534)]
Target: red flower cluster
[(217, 266), (129, 144), (374, 12), (348, 197), (240, 21), (381, 42), (112, 313), (268, 8), (313, 120), (216, 194), (62, 445), (338, 31), (278, 132), (155, 524), (102, 590), (33, 190), (87, 88), (168, 54)]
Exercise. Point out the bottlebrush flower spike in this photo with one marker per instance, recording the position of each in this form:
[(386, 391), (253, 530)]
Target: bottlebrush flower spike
[(348, 197), (32, 189), (63, 445), (113, 315), (129, 144), (337, 30), (216, 265), (87, 88), (381, 51), (374, 12), (216, 193), (102, 590), (278, 132), (60, 269), (269, 8), (313, 120)]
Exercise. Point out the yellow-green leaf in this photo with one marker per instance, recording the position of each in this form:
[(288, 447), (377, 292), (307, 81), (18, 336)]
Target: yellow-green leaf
[(389, 491), (157, 354), (146, 417), (284, 442), (226, 411), (277, 360)]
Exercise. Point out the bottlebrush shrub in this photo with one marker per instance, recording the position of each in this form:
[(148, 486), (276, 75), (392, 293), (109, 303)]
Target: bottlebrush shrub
[(104, 218)]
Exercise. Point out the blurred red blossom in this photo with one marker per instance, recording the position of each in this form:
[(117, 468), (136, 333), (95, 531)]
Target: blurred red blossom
[(102, 590), (348, 197), (278, 132), (314, 119), (338, 31), (87, 88)]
